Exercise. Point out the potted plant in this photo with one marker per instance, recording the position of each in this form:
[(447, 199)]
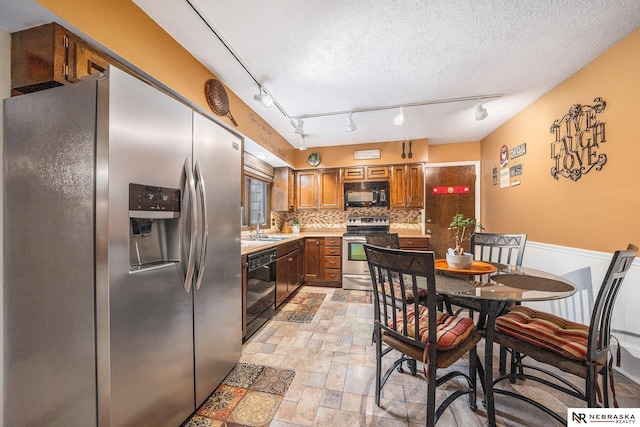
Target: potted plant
[(296, 226), (463, 228)]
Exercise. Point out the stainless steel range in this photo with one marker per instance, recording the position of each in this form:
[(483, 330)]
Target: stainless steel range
[(355, 271)]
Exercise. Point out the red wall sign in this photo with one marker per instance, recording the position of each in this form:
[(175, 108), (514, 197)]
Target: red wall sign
[(460, 189)]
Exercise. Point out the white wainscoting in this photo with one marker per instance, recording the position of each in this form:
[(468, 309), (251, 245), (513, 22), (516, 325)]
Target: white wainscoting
[(577, 264)]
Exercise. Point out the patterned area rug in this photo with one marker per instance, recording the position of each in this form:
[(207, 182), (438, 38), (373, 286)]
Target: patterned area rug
[(249, 396), (301, 308), (362, 297)]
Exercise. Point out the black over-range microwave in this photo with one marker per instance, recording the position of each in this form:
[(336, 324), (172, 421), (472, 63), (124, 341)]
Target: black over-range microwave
[(366, 194)]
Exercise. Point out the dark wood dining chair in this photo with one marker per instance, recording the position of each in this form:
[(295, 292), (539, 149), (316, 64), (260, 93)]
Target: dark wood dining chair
[(385, 240), (497, 248), (416, 328), (501, 250), (574, 348)]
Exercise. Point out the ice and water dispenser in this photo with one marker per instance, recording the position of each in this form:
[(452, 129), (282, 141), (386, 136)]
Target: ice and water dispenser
[(154, 233)]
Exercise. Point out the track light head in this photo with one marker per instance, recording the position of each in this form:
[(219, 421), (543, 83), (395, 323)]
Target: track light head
[(351, 125), (299, 127), (264, 98), (399, 119), (303, 145), (481, 112)]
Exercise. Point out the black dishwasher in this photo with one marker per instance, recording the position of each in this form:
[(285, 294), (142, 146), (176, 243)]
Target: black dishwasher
[(261, 289)]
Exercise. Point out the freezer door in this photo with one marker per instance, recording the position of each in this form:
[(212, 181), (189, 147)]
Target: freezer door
[(148, 137), (218, 298), (49, 348)]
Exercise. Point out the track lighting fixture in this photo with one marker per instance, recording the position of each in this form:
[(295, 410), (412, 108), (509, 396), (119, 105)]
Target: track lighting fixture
[(399, 119), (481, 112), (351, 125), (264, 98), (299, 127), (303, 145)]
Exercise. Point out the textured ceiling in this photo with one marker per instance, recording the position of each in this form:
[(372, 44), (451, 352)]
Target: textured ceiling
[(321, 56)]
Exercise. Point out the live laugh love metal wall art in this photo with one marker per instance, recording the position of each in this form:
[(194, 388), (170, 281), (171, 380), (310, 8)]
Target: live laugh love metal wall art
[(576, 148)]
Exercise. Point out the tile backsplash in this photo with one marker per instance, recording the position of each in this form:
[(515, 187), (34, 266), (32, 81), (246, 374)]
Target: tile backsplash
[(328, 219)]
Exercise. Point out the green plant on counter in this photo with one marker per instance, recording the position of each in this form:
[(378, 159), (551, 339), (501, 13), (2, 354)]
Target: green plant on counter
[(463, 228)]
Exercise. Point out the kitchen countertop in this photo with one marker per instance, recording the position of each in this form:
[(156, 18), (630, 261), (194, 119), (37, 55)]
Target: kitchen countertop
[(251, 246)]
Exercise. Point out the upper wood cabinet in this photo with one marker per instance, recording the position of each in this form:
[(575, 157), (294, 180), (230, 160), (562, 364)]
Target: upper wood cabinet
[(407, 186), (330, 190), (319, 189), (49, 56), (366, 173), (283, 197), (306, 189)]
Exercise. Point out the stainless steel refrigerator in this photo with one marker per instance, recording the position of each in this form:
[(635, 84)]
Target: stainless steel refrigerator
[(122, 275)]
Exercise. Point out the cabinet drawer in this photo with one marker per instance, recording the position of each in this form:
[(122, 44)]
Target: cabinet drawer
[(411, 243), (332, 241), (285, 248), (332, 251), (354, 174), (332, 275), (331, 262), (377, 172)]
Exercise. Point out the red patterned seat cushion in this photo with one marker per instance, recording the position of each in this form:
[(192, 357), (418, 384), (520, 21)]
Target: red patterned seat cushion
[(546, 330), (451, 330)]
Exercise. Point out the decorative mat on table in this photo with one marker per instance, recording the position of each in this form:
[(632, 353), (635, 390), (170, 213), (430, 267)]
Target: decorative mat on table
[(531, 283)]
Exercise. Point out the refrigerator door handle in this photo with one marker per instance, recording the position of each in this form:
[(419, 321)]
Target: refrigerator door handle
[(205, 226), (191, 262)]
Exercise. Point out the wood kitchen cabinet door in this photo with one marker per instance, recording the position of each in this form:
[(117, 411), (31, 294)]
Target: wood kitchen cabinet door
[(355, 174), (377, 173), (397, 184), (283, 190), (415, 185), (49, 56), (313, 247), (319, 189), (83, 60), (330, 191), (407, 186), (306, 189)]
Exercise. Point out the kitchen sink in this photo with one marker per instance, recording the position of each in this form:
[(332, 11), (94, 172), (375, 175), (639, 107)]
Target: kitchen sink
[(266, 239)]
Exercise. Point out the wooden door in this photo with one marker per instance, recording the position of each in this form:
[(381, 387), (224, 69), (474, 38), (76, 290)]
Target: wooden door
[(440, 208)]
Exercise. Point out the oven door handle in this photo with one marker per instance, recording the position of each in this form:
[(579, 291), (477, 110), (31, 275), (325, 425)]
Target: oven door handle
[(359, 239)]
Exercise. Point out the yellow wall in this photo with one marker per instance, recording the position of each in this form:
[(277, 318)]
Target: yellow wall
[(458, 152), (600, 211), (390, 153)]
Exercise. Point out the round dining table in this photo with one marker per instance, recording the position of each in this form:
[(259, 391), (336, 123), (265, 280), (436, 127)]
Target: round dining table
[(491, 286)]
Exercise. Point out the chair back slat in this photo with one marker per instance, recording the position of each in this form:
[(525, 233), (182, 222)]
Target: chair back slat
[(495, 247), (397, 276), (600, 326)]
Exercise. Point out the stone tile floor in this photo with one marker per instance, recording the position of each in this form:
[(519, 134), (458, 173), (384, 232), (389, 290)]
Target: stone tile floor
[(328, 362)]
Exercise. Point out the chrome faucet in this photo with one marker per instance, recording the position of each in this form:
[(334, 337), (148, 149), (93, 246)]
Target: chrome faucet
[(260, 221)]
